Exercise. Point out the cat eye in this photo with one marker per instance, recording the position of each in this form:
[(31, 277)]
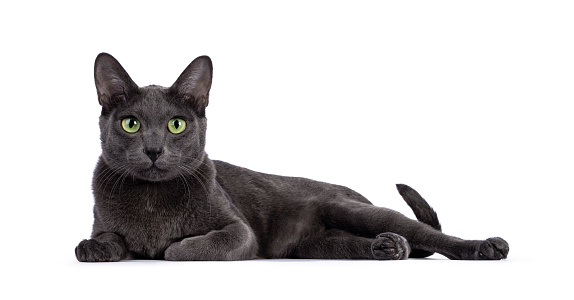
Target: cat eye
[(131, 124), (176, 125)]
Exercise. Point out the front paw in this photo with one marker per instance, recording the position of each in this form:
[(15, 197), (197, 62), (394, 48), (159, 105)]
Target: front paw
[(173, 252), (492, 249), (184, 251), (388, 246), (95, 251)]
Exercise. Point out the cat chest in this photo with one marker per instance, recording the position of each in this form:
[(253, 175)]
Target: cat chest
[(147, 229)]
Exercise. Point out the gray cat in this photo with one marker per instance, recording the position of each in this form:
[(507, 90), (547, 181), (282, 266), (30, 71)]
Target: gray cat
[(159, 196)]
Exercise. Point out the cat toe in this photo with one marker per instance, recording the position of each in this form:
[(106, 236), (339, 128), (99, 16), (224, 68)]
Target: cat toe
[(94, 251), (390, 246), (492, 249)]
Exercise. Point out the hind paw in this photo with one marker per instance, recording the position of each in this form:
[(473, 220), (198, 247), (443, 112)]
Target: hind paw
[(387, 246), (492, 249)]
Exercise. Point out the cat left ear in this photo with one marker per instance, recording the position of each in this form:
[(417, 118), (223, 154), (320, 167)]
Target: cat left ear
[(112, 81), (194, 83)]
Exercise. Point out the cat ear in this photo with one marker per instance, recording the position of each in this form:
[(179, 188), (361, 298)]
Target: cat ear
[(112, 81), (194, 83)]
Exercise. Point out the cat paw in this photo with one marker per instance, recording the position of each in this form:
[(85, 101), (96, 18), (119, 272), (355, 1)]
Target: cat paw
[(95, 251), (387, 246), (173, 252), (492, 249)]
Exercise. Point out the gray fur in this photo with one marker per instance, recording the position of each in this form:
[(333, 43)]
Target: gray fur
[(159, 196)]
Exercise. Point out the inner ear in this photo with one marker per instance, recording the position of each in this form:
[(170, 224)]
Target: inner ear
[(112, 81), (194, 83)]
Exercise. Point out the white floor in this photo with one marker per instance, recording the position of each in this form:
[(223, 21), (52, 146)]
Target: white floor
[(432, 278)]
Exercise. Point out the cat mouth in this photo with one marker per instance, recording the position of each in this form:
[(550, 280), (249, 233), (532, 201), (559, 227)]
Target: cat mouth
[(154, 173)]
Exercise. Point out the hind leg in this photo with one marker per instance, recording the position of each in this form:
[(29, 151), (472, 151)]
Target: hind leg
[(339, 244), (368, 220)]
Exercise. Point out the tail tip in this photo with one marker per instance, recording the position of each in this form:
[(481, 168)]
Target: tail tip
[(403, 188)]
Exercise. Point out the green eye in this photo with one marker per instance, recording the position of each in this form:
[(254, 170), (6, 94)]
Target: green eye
[(176, 125), (131, 124)]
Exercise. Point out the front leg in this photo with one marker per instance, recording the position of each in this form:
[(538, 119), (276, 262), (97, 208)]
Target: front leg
[(105, 247), (234, 242)]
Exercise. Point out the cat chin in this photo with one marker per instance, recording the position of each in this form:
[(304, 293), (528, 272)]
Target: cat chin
[(154, 174)]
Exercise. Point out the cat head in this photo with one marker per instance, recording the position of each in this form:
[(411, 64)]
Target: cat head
[(153, 133)]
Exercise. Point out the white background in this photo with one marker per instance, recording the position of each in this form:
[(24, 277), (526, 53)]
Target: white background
[(469, 102)]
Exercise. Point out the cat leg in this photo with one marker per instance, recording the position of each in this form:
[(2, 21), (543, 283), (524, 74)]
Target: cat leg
[(368, 220), (339, 244), (234, 242), (105, 247)]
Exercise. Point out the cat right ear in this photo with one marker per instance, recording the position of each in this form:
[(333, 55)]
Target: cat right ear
[(112, 81)]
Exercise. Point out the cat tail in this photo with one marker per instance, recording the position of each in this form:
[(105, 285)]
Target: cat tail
[(423, 212)]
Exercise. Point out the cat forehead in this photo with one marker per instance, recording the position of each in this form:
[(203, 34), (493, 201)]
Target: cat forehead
[(154, 91), (152, 98), (153, 102)]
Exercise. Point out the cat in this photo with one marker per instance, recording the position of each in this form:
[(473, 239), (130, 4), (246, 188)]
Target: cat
[(159, 196)]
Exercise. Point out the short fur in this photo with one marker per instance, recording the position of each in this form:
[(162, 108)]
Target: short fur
[(159, 196)]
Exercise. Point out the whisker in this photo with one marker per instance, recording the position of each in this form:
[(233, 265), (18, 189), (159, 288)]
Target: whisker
[(195, 160), (185, 184), (193, 174), (124, 173)]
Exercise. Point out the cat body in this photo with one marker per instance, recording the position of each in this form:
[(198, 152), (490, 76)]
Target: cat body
[(159, 196)]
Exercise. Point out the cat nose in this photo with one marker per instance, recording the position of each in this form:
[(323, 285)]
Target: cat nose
[(153, 153)]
